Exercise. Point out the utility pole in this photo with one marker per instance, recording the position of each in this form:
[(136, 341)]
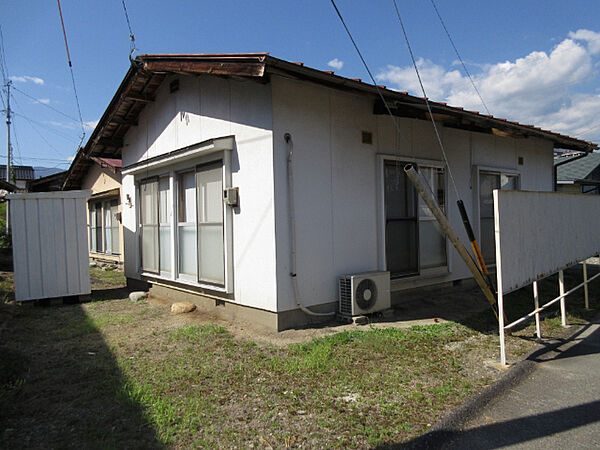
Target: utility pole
[(8, 149)]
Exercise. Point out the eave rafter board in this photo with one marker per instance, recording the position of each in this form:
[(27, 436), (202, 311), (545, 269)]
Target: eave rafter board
[(540, 233)]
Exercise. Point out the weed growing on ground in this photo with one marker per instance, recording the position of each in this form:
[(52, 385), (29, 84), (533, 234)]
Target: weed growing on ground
[(113, 373)]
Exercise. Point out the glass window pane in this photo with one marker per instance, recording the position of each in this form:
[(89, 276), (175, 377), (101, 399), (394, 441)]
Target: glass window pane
[(210, 224), (508, 182), (187, 197), (435, 180), (92, 228), (488, 240), (164, 200), (487, 183), (212, 198), (149, 225), (150, 248), (107, 229), (164, 193), (165, 248), (187, 250), (401, 233), (211, 263), (116, 243), (432, 245), (401, 249), (98, 233), (400, 198)]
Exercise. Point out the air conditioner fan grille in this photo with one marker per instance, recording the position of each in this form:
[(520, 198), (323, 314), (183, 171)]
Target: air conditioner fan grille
[(345, 296)]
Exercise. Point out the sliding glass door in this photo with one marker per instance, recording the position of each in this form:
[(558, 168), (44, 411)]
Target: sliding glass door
[(149, 225), (186, 224), (209, 189), (401, 221)]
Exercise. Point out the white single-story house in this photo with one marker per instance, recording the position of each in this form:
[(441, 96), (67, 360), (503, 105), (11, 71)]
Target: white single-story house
[(101, 175), (205, 141)]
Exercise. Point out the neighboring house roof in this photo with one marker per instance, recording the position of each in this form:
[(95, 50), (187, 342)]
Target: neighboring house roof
[(147, 73), (573, 168), (48, 183), (20, 172), (82, 163), (4, 185)]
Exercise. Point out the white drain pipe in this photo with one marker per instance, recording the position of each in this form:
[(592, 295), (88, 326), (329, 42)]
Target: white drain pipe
[(292, 218)]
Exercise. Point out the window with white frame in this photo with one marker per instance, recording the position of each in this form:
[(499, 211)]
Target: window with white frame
[(414, 244), (198, 237), (488, 181), (104, 226)]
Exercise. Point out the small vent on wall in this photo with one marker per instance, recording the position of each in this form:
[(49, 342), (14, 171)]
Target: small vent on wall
[(367, 137), (520, 160), (174, 85)]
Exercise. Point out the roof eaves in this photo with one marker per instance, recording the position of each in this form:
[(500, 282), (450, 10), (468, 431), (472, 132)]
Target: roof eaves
[(275, 65)]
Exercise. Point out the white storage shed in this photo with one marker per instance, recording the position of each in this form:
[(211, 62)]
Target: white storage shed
[(49, 237)]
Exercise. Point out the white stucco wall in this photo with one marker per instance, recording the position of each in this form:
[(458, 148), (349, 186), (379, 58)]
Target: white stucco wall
[(338, 215), (98, 180), (336, 176), (203, 108)]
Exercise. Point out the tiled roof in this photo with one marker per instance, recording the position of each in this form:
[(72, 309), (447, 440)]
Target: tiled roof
[(20, 172), (576, 168), (147, 73)]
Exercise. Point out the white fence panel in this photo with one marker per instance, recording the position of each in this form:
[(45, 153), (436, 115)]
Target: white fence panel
[(50, 244), (540, 233)]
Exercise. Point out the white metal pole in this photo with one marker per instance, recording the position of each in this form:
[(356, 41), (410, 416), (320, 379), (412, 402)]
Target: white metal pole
[(536, 302), (501, 325), (585, 286), (561, 288), (8, 145)]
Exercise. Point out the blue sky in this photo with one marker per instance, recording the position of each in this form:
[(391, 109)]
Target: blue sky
[(533, 61)]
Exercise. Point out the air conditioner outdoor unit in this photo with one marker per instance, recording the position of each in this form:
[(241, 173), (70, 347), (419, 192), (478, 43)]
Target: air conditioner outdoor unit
[(364, 293)]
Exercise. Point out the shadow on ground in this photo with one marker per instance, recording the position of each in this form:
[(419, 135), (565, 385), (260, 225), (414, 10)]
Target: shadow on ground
[(465, 303), (526, 428), (60, 385)]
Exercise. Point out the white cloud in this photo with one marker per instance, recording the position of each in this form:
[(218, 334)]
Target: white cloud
[(27, 78), (90, 125), (336, 64), (535, 89), (45, 101), (436, 80), (590, 37), (66, 126)]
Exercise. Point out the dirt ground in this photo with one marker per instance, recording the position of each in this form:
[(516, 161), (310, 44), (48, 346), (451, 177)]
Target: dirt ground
[(420, 307), (111, 373)]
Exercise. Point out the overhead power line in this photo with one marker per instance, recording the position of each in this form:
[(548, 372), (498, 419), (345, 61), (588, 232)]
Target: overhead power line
[(435, 128), (131, 35), (62, 22), (459, 57), (3, 66), (46, 105), (389, 111)]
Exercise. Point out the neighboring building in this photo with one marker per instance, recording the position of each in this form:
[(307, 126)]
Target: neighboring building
[(578, 174), (103, 177), (52, 182), (191, 127), (20, 175)]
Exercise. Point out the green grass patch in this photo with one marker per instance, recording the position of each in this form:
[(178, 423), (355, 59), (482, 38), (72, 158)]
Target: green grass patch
[(109, 277), (118, 374)]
